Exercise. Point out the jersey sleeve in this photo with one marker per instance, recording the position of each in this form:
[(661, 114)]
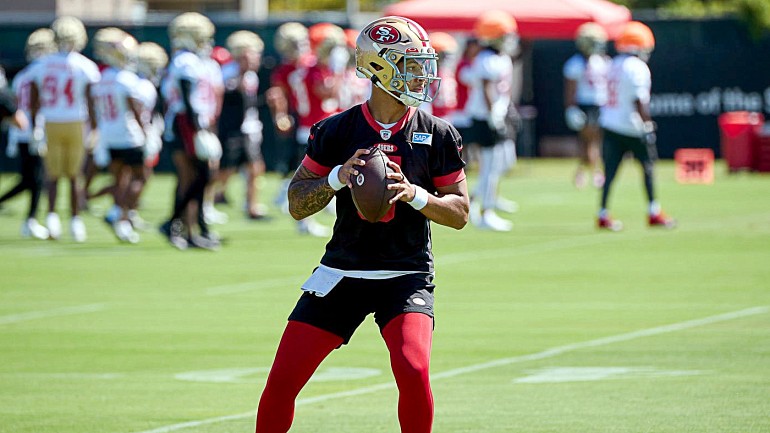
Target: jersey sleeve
[(90, 71), (573, 69), (319, 159), (640, 79), (447, 165), (131, 85)]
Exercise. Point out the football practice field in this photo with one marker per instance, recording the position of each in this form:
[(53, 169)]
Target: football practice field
[(554, 327)]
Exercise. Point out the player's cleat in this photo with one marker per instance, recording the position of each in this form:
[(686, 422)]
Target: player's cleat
[(125, 232), (172, 230), (598, 179), (505, 205), (312, 228), (607, 223), (213, 216), (257, 212), (31, 228), (137, 222), (204, 243), (53, 223), (661, 220), (580, 179), (491, 221), (78, 229)]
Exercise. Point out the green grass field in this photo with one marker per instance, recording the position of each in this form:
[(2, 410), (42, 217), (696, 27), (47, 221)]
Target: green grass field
[(553, 327)]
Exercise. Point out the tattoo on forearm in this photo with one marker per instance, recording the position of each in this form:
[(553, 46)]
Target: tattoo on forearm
[(308, 193)]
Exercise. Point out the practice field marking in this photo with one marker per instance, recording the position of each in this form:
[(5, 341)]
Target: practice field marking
[(548, 353), (44, 314), (590, 374), (259, 374), (230, 289)]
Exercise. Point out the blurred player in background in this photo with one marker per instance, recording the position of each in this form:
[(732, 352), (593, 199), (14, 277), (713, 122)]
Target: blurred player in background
[(191, 110), (460, 117), (585, 91), (61, 92), (385, 268), (626, 121), (122, 123), (292, 43), (240, 129), (354, 91), (446, 95), (213, 58), (151, 63), (317, 92), (488, 104), (40, 43)]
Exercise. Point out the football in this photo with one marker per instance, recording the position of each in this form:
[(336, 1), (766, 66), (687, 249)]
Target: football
[(370, 193)]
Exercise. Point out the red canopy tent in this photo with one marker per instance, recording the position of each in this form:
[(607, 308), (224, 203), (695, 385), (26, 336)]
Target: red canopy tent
[(537, 19)]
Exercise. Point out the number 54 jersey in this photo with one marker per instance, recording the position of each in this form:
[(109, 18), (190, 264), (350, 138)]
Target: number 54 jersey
[(428, 151), (61, 79)]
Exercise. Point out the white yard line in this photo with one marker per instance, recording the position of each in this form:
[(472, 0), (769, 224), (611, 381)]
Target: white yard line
[(548, 353), (230, 289), (44, 314)]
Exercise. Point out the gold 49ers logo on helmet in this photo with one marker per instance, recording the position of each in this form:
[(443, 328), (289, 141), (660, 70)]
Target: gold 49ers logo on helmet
[(385, 34)]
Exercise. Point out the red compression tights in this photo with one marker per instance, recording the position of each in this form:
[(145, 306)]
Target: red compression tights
[(408, 338), (303, 347), (301, 350)]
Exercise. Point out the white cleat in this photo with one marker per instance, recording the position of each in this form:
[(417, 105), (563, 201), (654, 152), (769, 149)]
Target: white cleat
[(312, 228), (125, 232), (78, 229), (505, 205), (214, 216), (53, 223), (31, 228), (490, 221)]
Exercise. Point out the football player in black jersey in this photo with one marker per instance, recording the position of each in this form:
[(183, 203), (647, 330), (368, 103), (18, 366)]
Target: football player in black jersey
[(240, 130), (384, 268)]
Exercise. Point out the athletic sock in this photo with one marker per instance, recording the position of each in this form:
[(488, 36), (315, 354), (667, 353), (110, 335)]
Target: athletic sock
[(408, 338), (654, 208), (301, 350)]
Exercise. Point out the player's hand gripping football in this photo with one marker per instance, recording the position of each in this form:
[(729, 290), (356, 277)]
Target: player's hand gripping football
[(405, 191), (348, 170)]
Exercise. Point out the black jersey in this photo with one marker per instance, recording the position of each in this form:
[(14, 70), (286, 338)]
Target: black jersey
[(428, 151), (239, 102)]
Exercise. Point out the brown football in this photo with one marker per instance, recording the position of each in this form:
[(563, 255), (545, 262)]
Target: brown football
[(370, 193)]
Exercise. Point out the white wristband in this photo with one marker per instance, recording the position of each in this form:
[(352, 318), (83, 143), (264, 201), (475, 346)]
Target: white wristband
[(334, 179), (420, 199)]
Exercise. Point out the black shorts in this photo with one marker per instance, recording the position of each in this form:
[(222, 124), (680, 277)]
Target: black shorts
[(481, 133), (592, 114), (347, 305), (239, 150), (132, 157), (616, 145)]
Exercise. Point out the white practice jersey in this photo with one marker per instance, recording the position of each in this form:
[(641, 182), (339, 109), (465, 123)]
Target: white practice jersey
[(148, 95), (494, 67), (216, 80), (186, 65), (590, 76), (628, 80), (61, 79), (118, 127), (21, 85)]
